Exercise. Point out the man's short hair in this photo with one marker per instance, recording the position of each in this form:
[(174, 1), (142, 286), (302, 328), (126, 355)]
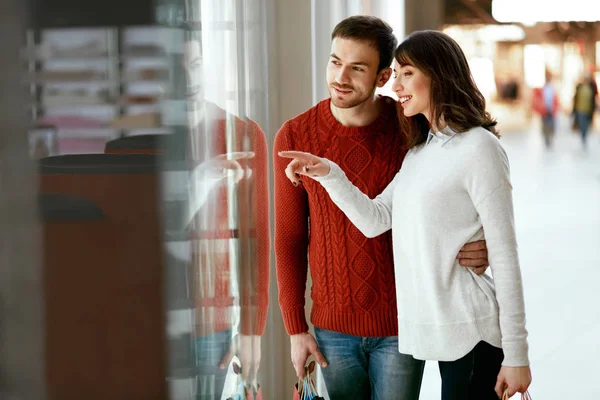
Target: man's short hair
[(365, 28)]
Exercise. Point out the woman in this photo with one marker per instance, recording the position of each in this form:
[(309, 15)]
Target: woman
[(454, 185)]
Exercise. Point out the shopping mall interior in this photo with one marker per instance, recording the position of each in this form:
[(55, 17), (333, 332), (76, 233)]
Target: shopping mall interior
[(142, 251)]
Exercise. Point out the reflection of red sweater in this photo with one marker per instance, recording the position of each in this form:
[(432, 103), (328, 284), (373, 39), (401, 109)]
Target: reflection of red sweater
[(353, 277), (215, 224)]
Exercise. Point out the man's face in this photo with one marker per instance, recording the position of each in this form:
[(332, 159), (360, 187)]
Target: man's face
[(192, 63), (351, 72)]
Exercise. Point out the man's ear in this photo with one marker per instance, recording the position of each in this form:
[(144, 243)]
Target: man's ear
[(383, 76)]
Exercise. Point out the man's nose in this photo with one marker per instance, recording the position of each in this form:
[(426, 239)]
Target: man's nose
[(342, 76)]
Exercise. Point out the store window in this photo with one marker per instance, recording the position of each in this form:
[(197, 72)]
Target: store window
[(140, 164), (217, 202)]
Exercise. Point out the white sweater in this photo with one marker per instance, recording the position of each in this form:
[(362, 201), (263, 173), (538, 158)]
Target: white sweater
[(448, 192)]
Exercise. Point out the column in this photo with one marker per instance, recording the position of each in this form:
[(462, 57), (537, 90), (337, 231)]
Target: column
[(289, 74), (21, 320)]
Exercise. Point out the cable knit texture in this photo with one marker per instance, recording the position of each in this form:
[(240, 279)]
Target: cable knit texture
[(353, 276)]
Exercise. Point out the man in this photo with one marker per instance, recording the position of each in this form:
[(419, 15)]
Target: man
[(354, 302)]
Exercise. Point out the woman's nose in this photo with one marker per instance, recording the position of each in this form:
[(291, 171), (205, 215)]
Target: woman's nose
[(397, 86)]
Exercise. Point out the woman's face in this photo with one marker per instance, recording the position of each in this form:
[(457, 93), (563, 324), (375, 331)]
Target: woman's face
[(413, 89)]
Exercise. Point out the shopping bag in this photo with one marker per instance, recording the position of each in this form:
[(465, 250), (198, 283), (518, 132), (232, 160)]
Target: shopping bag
[(305, 388), (243, 390), (524, 396)]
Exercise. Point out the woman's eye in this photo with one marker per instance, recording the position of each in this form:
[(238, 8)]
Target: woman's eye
[(407, 73)]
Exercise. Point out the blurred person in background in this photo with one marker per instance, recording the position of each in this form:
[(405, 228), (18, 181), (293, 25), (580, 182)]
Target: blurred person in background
[(354, 310), (546, 105), (509, 89), (584, 106)]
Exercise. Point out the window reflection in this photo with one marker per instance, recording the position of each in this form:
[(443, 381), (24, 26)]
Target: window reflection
[(216, 209), (151, 186)]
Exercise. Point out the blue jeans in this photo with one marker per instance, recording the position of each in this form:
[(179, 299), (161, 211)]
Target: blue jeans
[(210, 351), (584, 122), (548, 128), (368, 367)]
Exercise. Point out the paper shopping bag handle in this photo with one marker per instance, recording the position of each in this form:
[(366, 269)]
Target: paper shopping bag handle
[(524, 396)]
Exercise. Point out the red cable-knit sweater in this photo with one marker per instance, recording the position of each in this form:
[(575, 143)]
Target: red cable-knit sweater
[(353, 277)]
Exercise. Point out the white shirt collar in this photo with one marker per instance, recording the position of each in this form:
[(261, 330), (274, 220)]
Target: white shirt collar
[(444, 135)]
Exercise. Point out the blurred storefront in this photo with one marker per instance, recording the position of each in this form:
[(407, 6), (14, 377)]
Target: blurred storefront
[(510, 51)]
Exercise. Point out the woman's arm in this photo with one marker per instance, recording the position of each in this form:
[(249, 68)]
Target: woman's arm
[(497, 218), (491, 192), (371, 216)]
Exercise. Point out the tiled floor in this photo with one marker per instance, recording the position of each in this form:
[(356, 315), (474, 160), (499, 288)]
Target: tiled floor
[(557, 208)]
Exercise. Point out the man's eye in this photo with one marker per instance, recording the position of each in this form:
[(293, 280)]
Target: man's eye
[(358, 69)]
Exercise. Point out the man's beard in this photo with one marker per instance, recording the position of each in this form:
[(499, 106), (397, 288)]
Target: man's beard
[(358, 98)]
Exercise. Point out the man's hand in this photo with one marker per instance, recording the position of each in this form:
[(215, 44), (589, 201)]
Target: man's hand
[(303, 345), (247, 348), (513, 379), (475, 255)]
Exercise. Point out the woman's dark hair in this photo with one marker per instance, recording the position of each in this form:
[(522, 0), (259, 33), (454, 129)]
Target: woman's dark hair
[(454, 94), (366, 28)]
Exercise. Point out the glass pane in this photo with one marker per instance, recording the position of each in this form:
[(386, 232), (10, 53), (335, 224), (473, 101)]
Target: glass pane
[(135, 214), (216, 203)]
